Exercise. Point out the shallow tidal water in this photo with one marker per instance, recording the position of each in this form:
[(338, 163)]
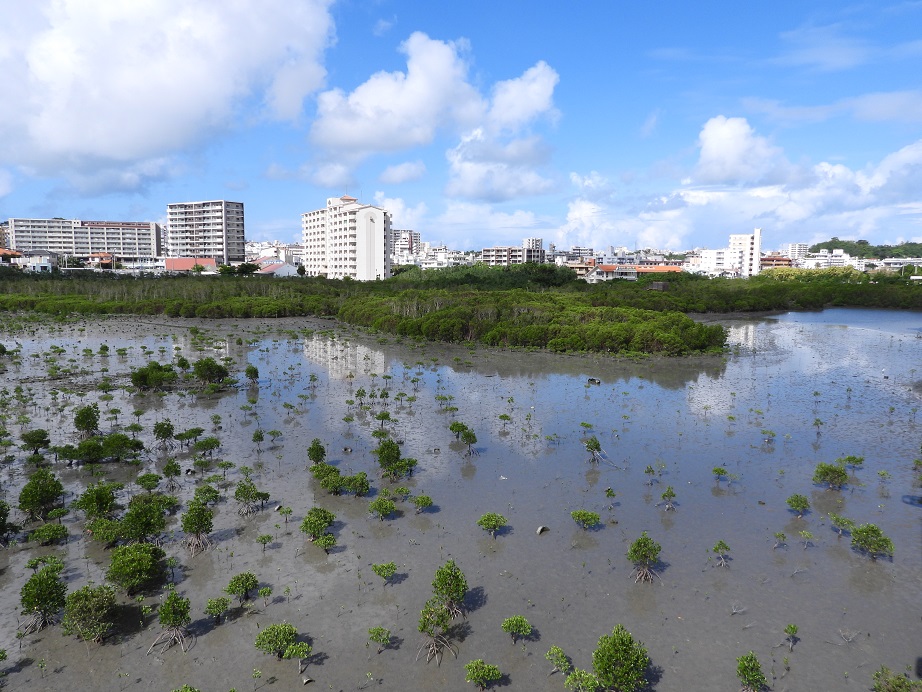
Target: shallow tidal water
[(792, 390)]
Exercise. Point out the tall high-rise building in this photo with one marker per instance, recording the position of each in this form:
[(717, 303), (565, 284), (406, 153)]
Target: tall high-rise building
[(748, 246), (533, 243), (206, 229), (347, 239), (126, 240)]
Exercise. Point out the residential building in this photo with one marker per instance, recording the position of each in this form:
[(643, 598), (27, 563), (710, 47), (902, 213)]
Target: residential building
[(773, 260), (42, 261), (503, 256), (4, 234), (533, 243), (796, 251), (131, 241), (189, 264), (628, 272), (824, 259), (747, 248), (206, 229), (347, 239)]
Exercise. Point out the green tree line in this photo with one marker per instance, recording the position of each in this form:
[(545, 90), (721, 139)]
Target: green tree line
[(537, 306)]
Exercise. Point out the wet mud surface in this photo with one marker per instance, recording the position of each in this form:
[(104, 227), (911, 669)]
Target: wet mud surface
[(754, 411)]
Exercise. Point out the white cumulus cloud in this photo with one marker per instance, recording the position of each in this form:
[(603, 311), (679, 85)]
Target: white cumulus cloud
[(101, 86), (403, 172), (731, 152), (392, 111)]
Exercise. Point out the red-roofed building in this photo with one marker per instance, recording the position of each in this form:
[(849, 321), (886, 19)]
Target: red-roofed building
[(185, 264), (627, 272)]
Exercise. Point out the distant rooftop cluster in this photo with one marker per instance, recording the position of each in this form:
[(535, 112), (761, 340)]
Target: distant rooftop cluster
[(349, 239)]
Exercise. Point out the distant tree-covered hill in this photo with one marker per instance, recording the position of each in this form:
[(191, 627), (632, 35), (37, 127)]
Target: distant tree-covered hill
[(862, 248)]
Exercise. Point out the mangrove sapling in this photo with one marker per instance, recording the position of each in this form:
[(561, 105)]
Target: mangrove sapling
[(481, 674), (240, 585), (720, 473), (780, 540), (868, 538), (299, 651), (40, 494), (275, 639), (492, 522), (560, 661), (327, 541), (216, 607), (402, 493), (798, 503), (265, 593), (721, 549), (174, 617), (434, 621), (651, 475), (148, 481), (469, 438), (136, 566), (886, 680), (833, 476), (316, 522), (450, 587), (197, 523), (644, 553), (806, 537), (517, 626), (581, 681), (594, 447), (247, 496), (171, 471), (422, 503), (264, 540), (791, 638), (841, 524), (317, 453), (749, 671), (851, 461), (385, 570), (42, 597), (46, 534), (668, 496), (380, 636), (585, 519), (381, 508), (89, 612), (620, 662)]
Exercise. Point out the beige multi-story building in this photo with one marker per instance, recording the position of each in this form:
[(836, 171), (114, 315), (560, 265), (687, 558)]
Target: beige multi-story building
[(132, 241), (347, 239), (206, 229)]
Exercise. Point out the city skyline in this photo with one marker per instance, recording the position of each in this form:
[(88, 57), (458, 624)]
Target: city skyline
[(475, 125)]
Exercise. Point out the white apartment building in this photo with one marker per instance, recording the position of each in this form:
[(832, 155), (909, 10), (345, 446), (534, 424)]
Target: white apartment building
[(347, 239), (206, 229), (748, 246), (533, 243), (132, 241), (741, 259), (795, 251), (824, 259), (502, 256)]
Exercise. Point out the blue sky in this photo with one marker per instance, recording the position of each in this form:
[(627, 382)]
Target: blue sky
[(666, 125)]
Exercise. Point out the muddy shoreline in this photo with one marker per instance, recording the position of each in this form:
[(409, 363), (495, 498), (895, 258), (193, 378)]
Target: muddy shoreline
[(682, 416)]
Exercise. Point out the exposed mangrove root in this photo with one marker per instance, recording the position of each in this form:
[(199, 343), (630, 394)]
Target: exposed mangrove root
[(435, 648), (247, 510), (197, 543), (737, 608), (36, 622), (170, 636), (644, 574)]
